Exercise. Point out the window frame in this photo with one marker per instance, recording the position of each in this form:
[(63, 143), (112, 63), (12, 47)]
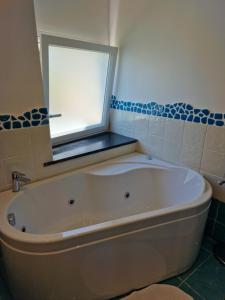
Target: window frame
[(49, 40)]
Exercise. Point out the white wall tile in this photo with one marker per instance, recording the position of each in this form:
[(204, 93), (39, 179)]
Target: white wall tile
[(141, 126), (218, 190), (122, 122), (215, 139), (194, 145), (116, 124), (2, 176), (15, 142), (128, 118), (41, 147), (194, 134), (157, 126), (156, 146), (172, 150), (127, 123), (191, 156), (119, 117), (126, 131), (22, 163), (213, 163), (85, 161), (174, 130), (115, 117)]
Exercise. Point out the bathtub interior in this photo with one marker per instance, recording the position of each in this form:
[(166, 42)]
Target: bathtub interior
[(99, 194)]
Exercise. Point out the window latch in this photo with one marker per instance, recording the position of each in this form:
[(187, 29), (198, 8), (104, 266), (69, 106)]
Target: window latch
[(55, 116)]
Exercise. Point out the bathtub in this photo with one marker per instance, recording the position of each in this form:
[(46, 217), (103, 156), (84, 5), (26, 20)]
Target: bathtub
[(103, 230)]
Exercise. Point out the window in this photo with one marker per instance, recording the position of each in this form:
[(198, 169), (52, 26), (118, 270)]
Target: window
[(78, 78)]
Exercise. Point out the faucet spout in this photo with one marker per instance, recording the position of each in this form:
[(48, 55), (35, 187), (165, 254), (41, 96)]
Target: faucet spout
[(17, 179)]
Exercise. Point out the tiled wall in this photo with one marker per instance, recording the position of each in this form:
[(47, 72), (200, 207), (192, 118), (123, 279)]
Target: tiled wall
[(35, 117), (23, 150), (197, 145), (215, 227), (178, 111), (27, 149)]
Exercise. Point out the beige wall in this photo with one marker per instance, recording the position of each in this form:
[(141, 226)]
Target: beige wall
[(197, 146), (20, 91), (81, 19), (20, 75), (26, 150), (171, 50)]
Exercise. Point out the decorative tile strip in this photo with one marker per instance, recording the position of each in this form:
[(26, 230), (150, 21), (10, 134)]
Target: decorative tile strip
[(35, 117), (177, 111)]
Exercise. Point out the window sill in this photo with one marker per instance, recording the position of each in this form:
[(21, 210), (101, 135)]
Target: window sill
[(89, 145)]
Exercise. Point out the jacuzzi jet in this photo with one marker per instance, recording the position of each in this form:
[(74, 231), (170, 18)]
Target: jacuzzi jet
[(71, 202), (127, 195), (12, 219)]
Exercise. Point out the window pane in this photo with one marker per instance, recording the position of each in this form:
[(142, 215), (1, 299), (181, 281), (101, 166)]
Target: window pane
[(77, 80)]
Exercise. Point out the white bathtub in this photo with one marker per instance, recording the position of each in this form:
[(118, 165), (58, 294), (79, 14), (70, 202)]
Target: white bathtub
[(132, 222)]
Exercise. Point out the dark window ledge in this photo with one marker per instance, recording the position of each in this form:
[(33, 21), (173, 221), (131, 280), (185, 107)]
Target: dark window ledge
[(89, 145)]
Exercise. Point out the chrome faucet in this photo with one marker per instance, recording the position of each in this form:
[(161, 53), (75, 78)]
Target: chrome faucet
[(17, 179), (222, 182)]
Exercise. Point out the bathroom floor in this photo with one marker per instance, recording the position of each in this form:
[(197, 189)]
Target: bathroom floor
[(204, 281)]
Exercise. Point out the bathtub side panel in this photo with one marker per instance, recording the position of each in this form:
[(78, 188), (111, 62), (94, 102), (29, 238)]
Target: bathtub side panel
[(108, 268)]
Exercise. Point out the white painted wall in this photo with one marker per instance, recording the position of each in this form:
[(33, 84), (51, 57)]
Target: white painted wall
[(27, 149), (86, 20), (171, 50), (20, 73)]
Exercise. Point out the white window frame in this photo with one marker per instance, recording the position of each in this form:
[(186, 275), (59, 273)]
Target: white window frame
[(48, 40)]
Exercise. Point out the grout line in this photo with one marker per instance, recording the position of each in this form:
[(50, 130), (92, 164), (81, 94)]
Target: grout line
[(211, 241), (181, 144), (217, 211), (214, 220), (190, 287), (203, 147), (207, 250), (218, 222), (200, 265)]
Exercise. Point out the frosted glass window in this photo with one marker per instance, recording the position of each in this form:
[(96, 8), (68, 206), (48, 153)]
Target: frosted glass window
[(78, 80)]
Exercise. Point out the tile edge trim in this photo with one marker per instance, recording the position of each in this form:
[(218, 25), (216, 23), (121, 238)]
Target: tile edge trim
[(35, 117), (177, 111)]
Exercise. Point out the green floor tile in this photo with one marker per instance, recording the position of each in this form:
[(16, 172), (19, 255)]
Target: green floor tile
[(219, 232), (208, 243), (213, 209), (209, 280), (221, 214), (172, 281), (4, 295), (184, 287), (203, 255), (209, 227)]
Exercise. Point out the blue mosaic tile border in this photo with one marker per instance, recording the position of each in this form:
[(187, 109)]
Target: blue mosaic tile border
[(35, 117), (177, 111)]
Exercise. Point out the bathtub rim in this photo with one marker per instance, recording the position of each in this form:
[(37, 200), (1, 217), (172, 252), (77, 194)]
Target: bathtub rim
[(54, 241), (99, 240), (177, 211)]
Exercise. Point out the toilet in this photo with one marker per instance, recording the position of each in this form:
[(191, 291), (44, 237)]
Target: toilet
[(159, 292)]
